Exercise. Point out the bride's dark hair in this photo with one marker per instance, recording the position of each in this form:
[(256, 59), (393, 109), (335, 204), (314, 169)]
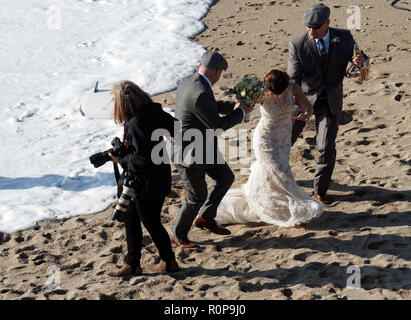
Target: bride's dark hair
[(276, 81)]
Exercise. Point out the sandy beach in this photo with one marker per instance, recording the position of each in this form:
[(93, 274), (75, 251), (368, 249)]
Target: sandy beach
[(366, 229)]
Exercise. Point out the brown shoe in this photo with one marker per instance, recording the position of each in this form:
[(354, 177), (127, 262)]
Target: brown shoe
[(126, 270), (211, 225), (184, 243), (170, 267), (322, 198)]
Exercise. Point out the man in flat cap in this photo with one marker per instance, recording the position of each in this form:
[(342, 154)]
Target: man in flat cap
[(198, 113), (317, 61)]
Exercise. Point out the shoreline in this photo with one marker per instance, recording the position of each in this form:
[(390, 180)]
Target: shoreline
[(367, 225)]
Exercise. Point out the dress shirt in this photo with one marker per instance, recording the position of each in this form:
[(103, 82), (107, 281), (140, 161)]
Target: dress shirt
[(326, 40)]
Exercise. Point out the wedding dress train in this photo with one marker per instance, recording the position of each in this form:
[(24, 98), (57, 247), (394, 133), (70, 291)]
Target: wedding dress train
[(271, 194)]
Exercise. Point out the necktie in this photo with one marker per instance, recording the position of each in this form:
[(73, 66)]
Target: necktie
[(321, 47)]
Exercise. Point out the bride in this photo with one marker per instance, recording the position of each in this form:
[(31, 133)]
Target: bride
[(271, 194)]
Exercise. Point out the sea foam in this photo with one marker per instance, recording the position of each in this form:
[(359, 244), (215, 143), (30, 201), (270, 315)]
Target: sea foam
[(53, 53)]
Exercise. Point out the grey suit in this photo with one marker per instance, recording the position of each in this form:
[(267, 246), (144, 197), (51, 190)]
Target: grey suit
[(196, 108), (321, 79)]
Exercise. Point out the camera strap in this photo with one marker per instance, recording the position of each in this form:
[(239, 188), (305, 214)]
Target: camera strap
[(116, 171)]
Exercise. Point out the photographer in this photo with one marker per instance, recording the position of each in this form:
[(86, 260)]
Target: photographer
[(152, 182)]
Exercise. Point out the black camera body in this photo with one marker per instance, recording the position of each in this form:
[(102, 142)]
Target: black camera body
[(127, 185), (100, 158)]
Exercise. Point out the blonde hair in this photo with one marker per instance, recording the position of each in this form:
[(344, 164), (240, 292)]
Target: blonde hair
[(127, 98)]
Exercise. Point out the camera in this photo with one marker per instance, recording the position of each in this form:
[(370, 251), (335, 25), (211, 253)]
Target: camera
[(128, 194), (100, 158), (127, 185)]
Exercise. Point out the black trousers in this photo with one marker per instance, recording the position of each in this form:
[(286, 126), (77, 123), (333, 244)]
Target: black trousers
[(326, 129), (148, 212)]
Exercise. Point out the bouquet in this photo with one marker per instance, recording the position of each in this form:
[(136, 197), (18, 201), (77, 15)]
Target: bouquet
[(248, 91)]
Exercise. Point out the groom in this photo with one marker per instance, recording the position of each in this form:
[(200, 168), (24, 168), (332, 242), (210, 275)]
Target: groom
[(198, 112), (317, 61)]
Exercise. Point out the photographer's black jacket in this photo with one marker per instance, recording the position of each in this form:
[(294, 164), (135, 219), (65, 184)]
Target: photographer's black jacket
[(155, 178)]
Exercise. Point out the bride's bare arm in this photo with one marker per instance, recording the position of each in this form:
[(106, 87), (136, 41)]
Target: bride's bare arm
[(302, 101)]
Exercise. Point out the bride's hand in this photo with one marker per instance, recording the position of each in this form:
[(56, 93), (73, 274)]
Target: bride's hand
[(247, 109), (303, 117)]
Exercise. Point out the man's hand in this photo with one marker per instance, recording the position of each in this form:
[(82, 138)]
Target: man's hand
[(114, 158), (358, 60), (237, 105)]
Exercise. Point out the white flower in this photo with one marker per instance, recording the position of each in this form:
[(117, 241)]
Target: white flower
[(335, 40), (249, 90)]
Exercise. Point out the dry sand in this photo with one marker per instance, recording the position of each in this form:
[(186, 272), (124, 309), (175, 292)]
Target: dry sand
[(368, 225)]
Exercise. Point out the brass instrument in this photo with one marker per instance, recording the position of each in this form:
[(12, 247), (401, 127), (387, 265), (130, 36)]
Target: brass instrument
[(362, 72)]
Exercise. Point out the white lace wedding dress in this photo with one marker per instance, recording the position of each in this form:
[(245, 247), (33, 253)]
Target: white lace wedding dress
[(271, 194)]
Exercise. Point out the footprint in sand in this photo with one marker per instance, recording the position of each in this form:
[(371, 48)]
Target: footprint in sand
[(39, 259), (311, 141), (363, 142), (287, 292), (371, 282), (28, 248), (307, 154), (399, 96), (23, 256), (89, 266), (376, 245), (246, 286), (18, 238), (391, 47), (36, 288), (82, 287), (362, 130), (384, 75), (103, 235), (346, 117), (303, 256)]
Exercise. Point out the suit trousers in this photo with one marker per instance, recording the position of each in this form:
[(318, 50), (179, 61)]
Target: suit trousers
[(149, 212), (326, 132), (199, 200)]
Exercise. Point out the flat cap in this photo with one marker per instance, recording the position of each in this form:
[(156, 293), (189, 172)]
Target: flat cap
[(214, 60), (316, 15)]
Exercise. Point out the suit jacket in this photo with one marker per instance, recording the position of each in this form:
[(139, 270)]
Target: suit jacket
[(314, 74), (196, 108)]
